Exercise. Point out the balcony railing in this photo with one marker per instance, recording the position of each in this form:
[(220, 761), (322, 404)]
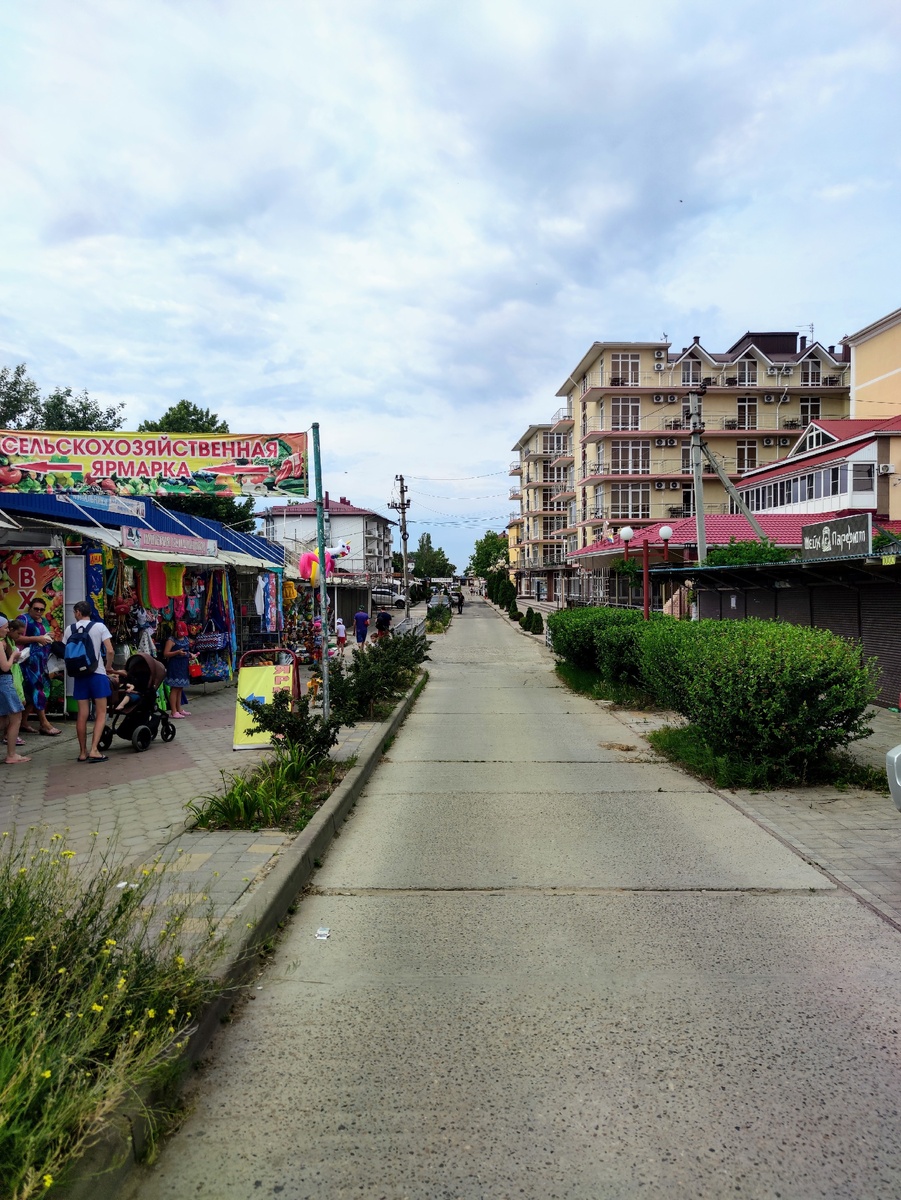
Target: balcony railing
[(515, 467), (670, 376), (563, 416), (515, 493)]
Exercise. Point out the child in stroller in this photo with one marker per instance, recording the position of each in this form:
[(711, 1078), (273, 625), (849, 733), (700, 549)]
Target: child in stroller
[(137, 715)]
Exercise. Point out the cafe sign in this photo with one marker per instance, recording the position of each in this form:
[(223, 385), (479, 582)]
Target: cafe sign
[(149, 541), (842, 537)]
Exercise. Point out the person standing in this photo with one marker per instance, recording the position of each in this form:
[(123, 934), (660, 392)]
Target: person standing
[(177, 653), (361, 624), (35, 676), (459, 602), (341, 633), (94, 686), (10, 704)]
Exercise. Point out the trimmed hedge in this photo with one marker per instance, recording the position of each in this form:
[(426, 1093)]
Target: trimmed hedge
[(778, 694)]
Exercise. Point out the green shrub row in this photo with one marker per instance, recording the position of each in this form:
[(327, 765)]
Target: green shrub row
[(778, 694)]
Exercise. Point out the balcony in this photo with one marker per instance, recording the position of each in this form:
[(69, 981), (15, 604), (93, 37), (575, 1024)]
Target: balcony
[(516, 518), (515, 493), (563, 459), (562, 419), (515, 467), (792, 423)]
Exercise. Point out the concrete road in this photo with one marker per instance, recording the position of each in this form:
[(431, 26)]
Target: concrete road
[(556, 968)]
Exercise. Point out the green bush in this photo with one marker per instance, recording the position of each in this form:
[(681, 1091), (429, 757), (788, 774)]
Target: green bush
[(572, 636), (295, 723), (537, 623), (527, 619), (779, 695), (513, 611), (380, 674)]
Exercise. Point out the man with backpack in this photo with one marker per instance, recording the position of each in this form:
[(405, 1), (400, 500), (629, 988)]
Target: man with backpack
[(88, 648)]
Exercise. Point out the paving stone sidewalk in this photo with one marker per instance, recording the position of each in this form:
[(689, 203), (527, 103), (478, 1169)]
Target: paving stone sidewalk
[(136, 803)]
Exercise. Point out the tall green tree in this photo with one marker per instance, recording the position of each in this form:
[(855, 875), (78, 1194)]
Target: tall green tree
[(185, 417), (23, 407), (430, 562), (489, 552)]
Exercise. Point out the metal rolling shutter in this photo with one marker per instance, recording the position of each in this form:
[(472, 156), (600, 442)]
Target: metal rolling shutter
[(836, 608), (880, 619), (761, 603), (793, 605), (709, 604)]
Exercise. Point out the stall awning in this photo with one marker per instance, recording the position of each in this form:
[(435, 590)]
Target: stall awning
[(186, 560), (94, 533), (235, 558)]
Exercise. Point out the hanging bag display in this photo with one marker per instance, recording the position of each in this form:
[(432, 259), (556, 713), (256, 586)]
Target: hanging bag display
[(210, 639), (195, 670)]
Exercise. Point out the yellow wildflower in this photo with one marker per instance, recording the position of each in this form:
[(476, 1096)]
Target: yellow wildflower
[(48, 1181), (96, 1007), (151, 1012), (179, 960), (29, 939), (67, 854), (45, 1074), (110, 942)]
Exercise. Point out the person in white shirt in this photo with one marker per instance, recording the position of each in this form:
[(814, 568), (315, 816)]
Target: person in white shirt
[(341, 633), (95, 687)]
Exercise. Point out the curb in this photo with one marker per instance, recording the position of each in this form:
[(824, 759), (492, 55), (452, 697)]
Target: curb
[(103, 1172)]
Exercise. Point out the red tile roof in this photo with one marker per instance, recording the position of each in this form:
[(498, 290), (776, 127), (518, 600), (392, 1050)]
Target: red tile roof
[(784, 529)]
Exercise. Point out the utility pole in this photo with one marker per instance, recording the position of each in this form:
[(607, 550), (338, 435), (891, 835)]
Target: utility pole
[(697, 467), (401, 506), (323, 593)]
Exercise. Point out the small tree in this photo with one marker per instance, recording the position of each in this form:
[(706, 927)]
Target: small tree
[(537, 623)]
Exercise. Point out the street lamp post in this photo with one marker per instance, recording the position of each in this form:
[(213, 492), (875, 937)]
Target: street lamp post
[(626, 534)]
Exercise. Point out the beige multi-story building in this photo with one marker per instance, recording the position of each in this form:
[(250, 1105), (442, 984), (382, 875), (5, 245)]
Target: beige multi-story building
[(618, 451), (876, 368)]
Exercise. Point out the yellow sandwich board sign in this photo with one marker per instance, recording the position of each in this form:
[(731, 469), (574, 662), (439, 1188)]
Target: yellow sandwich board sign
[(257, 683)]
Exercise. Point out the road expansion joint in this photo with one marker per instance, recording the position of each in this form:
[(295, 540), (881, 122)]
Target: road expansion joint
[(502, 890)]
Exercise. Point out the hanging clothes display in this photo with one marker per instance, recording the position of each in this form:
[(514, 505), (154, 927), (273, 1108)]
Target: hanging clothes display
[(175, 574), (259, 596), (156, 585)]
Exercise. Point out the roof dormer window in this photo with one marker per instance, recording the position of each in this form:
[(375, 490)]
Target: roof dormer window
[(691, 372), (810, 372), (746, 371)]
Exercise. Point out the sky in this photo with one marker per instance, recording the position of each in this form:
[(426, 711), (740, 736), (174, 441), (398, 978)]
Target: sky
[(408, 220)]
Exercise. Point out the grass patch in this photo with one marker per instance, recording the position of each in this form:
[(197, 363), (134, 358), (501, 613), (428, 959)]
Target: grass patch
[(686, 746), (98, 993), (282, 792), (589, 683)]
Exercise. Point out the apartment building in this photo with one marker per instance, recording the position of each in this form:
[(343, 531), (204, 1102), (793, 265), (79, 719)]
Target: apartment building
[(545, 492), (618, 450), (367, 533), (876, 368)]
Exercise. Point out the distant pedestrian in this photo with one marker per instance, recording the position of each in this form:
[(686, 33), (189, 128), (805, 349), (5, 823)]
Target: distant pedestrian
[(459, 602), (361, 624), (93, 685), (382, 623), (341, 634)]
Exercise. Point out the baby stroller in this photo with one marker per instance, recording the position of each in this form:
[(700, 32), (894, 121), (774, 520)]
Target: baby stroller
[(140, 722)]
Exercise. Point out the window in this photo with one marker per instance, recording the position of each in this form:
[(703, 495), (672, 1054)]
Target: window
[(688, 502), (554, 443), (747, 372), (746, 455), (810, 409), (624, 370), (630, 500), (584, 384), (815, 438), (862, 477), (691, 371), (747, 412), (625, 413), (630, 458), (810, 372)]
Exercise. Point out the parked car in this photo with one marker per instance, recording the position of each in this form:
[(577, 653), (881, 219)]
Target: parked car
[(384, 594)]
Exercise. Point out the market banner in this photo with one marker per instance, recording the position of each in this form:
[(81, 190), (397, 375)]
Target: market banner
[(257, 683), (153, 464), (27, 574)]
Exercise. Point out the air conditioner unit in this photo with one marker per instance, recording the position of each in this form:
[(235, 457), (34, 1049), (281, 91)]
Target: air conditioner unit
[(659, 484), (886, 469), (660, 354), (658, 399), (769, 441), (675, 486), (785, 441), (659, 441), (658, 366), (671, 442), (671, 399), (787, 370), (772, 370), (769, 398)]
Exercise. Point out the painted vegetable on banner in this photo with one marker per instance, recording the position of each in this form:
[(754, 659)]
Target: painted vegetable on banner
[(153, 464)]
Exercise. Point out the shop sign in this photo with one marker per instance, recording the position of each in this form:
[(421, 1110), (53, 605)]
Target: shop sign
[(257, 683), (29, 574), (116, 504), (842, 537), (153, 464), (148, 540)]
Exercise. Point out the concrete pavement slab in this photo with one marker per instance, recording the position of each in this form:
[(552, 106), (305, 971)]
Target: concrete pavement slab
[(485, 737)]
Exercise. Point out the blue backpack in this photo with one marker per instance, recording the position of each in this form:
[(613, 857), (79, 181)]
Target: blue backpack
[(79, 655)]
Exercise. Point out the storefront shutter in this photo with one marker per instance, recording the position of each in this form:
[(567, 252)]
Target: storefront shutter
[(836, 608), (880, 619)]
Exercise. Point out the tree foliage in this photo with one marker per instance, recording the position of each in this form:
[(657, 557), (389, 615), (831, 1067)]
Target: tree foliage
[(737, 553), (23, 407), (185, 417), (430, 562), (489, 551)]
